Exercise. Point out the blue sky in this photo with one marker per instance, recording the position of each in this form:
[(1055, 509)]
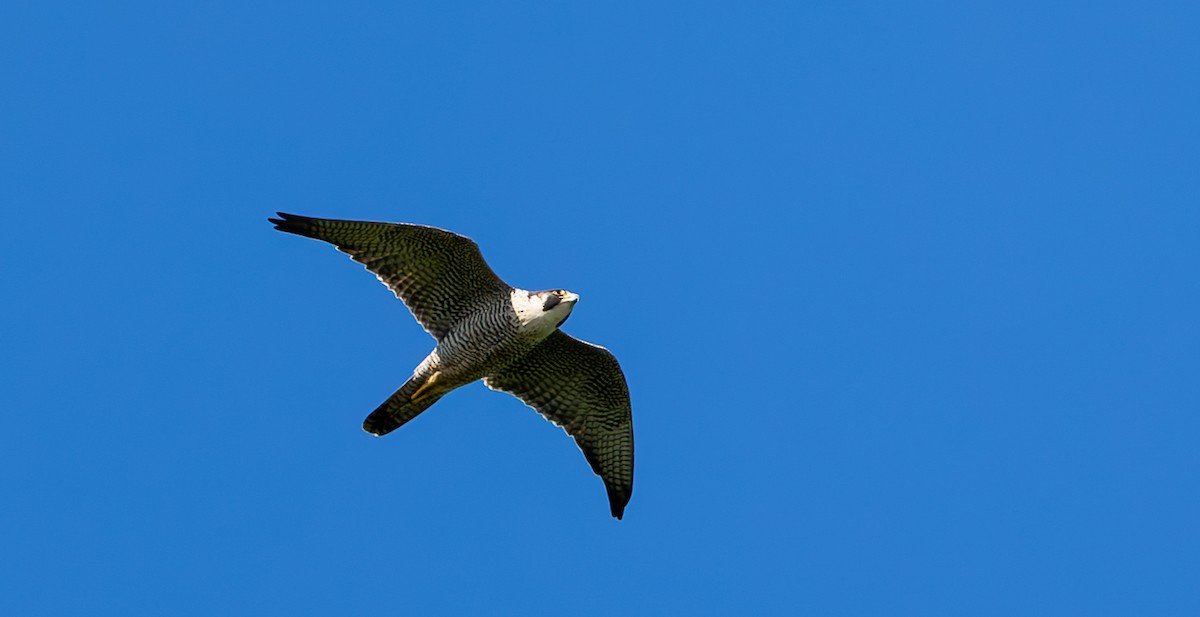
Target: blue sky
[(906, 296)]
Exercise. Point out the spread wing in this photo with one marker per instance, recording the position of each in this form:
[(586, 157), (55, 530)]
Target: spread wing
[(438, 274), (580, 387)]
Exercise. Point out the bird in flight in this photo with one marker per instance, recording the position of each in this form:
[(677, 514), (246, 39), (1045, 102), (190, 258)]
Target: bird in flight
[(486, 329)]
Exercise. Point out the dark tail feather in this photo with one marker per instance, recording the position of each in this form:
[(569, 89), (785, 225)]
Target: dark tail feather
[(398, 409)]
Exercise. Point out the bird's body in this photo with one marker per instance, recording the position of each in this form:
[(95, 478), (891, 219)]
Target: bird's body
[(490, 336), (487, 330)]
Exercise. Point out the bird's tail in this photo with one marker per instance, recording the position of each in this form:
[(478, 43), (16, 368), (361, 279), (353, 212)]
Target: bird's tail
[(411, 399)]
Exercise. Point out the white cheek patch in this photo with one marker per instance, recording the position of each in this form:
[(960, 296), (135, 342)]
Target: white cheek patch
[(530, 310), (526, 307)]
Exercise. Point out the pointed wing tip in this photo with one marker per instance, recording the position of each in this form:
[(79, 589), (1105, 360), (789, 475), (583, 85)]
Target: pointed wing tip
[(284, 217), (618, 498), (293, 224)]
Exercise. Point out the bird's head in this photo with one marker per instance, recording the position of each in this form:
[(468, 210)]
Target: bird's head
[(547, 309)]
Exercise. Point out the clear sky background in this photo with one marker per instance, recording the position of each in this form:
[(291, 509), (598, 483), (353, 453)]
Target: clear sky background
[(906, 296)]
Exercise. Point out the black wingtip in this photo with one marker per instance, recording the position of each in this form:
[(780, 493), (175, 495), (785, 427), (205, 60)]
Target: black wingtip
[(293, 224), (281, 221), (617, 500)]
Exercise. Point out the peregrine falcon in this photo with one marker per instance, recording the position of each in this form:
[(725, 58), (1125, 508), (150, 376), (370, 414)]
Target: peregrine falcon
[(486, 329)]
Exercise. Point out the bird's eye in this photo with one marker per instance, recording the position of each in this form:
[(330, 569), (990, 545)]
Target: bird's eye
[(551, 301)]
